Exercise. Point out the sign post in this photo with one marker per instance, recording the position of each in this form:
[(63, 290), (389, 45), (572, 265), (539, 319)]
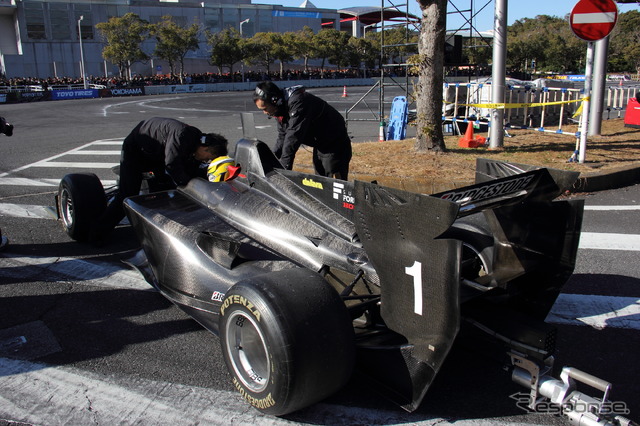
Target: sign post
[(591, 20)]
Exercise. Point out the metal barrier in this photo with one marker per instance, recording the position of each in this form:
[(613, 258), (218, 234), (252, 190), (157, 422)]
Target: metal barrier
[(39, 88), (543, 109), (618, 97)]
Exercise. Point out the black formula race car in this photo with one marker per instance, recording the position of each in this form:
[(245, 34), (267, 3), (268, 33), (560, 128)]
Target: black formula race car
[(301, 275)]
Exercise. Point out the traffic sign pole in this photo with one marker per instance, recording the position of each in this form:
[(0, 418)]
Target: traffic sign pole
[(586, 103), (591, 20)]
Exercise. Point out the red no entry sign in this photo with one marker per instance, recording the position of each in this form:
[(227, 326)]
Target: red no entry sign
[(593, 20)]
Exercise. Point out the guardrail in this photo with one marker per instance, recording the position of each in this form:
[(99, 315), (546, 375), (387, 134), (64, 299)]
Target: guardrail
[(40, 88), (543, 109)]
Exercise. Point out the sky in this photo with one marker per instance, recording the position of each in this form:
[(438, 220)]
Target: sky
[(516, 9)]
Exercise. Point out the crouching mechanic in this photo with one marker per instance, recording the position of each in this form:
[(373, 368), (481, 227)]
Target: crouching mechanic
[(173, 151), (306, 119)]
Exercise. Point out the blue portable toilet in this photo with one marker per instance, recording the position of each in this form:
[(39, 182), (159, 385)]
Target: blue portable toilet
[(397, 128)]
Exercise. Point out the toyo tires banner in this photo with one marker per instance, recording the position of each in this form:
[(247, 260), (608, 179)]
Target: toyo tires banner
[(74, 94)]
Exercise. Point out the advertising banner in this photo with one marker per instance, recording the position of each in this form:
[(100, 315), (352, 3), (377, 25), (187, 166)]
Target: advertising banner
[(74, 94), (34, 96), (127, 91), (186, 88)]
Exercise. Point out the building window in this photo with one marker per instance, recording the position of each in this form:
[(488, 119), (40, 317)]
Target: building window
[(34, 18), (266, 21), (230, 18), (59, 18), (212, 20)]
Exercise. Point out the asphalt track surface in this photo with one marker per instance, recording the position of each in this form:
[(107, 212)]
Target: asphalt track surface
[(84, 340)]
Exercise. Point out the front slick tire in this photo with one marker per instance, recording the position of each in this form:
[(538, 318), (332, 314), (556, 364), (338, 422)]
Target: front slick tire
[(287, 340)]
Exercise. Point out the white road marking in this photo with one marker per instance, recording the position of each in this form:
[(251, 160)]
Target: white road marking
[(612, 208), (94, 152), (80, 148), (26, 182), (36, 393), (43, 182), (69, 165), (64, 269), (257, 127), (609, 241), (595, 311), (25, 211)]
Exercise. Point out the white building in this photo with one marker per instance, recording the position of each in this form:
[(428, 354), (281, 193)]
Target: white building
[(39, 38)]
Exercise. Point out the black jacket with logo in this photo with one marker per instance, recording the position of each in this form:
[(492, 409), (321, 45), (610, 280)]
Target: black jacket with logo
[(165, 143), (306, 119)]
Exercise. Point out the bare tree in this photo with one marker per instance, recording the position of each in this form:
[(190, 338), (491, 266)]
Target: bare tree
[(430, 63)]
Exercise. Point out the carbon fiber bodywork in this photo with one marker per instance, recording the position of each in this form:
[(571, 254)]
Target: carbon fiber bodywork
[(395, 257)]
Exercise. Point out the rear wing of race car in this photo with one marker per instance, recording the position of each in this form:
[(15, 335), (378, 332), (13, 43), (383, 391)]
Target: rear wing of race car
[(405, 237)]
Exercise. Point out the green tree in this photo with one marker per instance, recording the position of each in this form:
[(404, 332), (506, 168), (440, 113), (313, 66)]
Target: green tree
[(283, 49), (123, 36), (624, 43), (174, 42), (546, 39), (363, 50), (330, 46), (477, 50), (430, 65), (303, 47), (260, 49), (226, 48)]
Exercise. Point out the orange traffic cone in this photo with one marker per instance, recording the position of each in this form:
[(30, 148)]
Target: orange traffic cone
[(468, 141), (344, 92)]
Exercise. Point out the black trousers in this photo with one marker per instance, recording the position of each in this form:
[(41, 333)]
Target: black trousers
[(133, 165), (333, 164)]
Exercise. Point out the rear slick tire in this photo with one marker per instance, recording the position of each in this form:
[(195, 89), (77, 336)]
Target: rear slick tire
[(81, 199), (287, 339)]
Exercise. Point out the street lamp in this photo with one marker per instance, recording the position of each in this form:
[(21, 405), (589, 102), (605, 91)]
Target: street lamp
[(84, 76), (242, 63), (364, 29), (242, 23)]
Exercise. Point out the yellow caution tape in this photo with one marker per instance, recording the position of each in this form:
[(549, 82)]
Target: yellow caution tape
[(521, 105)]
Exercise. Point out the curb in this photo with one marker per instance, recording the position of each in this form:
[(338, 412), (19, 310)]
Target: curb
[(619, 178)]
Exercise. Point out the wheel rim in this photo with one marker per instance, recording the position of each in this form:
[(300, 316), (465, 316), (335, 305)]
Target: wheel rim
[(247, 351), (66, 204), (481, 267)]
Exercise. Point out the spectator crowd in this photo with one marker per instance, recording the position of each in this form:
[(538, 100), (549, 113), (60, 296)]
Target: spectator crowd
[(140, 80)]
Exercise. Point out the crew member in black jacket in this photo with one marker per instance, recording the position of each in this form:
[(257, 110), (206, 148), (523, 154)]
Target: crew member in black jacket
[(173, 151), (305, 119)]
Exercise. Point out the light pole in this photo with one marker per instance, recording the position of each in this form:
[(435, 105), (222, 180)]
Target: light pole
[(242, 63), (84, 76), (364, 29)]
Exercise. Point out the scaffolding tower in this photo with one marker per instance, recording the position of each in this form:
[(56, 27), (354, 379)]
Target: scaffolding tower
[(410, 26)]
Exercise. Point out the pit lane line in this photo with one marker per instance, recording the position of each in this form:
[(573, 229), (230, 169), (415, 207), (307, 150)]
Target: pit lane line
[(48, 162), (37, 393), (89, 272)]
